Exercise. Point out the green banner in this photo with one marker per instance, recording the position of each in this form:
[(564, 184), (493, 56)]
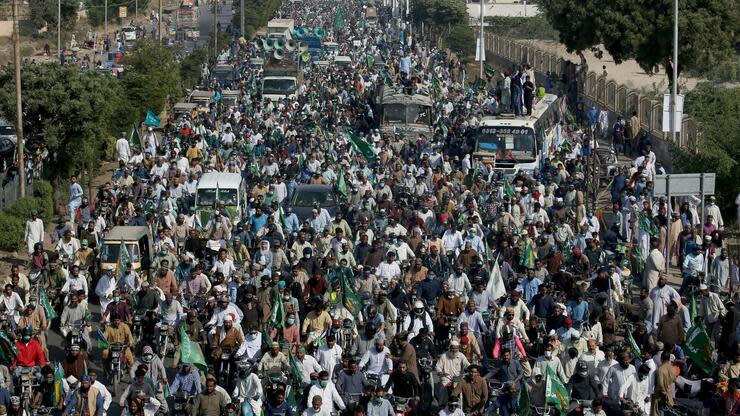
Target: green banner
[(555, 392), (698, 348), (189, 353)]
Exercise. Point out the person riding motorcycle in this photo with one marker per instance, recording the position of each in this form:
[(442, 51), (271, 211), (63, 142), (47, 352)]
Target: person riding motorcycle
[(118, 333), (248, 390), (419, 318)]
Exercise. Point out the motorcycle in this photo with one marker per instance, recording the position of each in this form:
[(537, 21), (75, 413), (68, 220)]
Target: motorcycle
[(165, 341), (74, 337), (118, 366), (27, 382), (401, 406), (224, 366), (136, 326), (181, 402)]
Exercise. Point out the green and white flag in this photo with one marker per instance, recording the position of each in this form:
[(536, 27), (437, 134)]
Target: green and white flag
[(189, 353), (555, 392), (631, 340), (362, 147), (123, 260), (44, 301), (342, 185), (277, 317), (698, 348), (522, 400), (135, 138)]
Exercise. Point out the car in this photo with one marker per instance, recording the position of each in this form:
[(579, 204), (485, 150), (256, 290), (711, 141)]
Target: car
[(306, 196), (8, 139), (129, 33)]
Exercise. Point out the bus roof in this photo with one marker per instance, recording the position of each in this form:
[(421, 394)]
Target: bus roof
[(213, 180), (538, 110), (126, 233), (393, 95)]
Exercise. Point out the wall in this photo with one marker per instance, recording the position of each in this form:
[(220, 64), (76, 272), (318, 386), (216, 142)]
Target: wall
[(594, 89), (6, 28)]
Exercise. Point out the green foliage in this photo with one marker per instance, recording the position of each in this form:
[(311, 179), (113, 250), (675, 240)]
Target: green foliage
[(190, 67), (72, 110), (11, 233), (152, 78), (96, 10), (23, 207), (717, 111), (440, 14), (44, 192), (44, 12), (461, 40), (256, 14), (535, 27), (643, 30)]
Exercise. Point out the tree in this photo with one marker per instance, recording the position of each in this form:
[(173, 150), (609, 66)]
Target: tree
[(44, 13), (643, 30), (75, 112), (717, 111), (190, 67), (96, 10), (152, 78)]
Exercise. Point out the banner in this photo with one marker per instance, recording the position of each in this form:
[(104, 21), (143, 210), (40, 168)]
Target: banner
[(555, 392), (44, 301), (277, 317), (151, 119), (522, 400), (350, 299), (495, 287), (362, 147), (189, 353), (698, 348)]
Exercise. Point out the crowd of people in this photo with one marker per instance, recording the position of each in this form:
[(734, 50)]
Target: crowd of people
[(433, 281)]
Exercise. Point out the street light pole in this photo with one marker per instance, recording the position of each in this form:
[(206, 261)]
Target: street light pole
[(241, 19), (106, 18), (481, 51), (19, 146), (674, 87), (159, 22), (59, 31)]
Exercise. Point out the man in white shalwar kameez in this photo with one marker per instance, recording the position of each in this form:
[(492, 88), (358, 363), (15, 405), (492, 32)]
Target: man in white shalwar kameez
[(104, 289), (618, 378), (662, 296)]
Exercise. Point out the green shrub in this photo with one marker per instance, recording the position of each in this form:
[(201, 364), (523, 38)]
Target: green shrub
[(22, 208), (11, 233), (461, 40), (520, 27), (45, 192)]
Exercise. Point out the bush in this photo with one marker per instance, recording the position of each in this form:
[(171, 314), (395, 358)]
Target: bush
[(461, 40), (22, 208), (519, 27), (45, 193), (11, 233)]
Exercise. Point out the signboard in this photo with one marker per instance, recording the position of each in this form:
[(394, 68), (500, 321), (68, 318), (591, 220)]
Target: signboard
[(667, 113), (685, 184), (122, 11)]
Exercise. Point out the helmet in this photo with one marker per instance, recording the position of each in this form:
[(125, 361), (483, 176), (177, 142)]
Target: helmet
[(418, 305), (371, 328)]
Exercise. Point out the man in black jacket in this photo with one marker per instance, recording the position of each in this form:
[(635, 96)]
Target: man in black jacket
[(581, 386)]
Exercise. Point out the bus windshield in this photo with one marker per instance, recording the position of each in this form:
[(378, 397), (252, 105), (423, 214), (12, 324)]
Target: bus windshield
[(278, 86), (207, 197), (112, 251), (410, 114), (507, 143)]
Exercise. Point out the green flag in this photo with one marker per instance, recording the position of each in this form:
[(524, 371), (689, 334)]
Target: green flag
[(342, 185), (253, 83), (151, 119), (370, 60), (58, 392), (692, 309), (528, 258), (698, 347), (555, 392), (350, 299), (44, 301), (647, 224), (362, 147), (635, 349), (123, 260), (266, 338), (189, 353), (8, 349), (135, 139), (338, 19), (522, 400), (103, 343), (277, 317), (295, 371), (508, 190)]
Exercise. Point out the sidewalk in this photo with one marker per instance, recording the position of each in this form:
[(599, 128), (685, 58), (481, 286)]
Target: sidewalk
[(628, 73)]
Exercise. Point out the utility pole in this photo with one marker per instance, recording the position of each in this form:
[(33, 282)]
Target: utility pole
[(106, 18), (215, 27), (674, 87), (59, 32), (18, 104), (136, 9), (241, 19), (482, 43), (159, 23)]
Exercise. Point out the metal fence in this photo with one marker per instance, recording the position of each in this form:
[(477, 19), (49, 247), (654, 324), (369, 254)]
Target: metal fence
[(9, 193), (598, 89)]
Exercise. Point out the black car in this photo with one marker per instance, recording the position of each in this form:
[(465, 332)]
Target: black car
[(306, 196)]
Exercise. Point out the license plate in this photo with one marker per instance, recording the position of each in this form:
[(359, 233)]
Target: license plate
[(116, 354)]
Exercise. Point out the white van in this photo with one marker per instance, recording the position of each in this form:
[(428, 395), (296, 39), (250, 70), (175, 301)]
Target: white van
[(213, 187)]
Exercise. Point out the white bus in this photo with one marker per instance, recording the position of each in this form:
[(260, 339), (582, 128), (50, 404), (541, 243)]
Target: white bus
[(510, 144)]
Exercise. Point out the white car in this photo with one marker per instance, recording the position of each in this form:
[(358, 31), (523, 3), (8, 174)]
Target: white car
[(129, 33)]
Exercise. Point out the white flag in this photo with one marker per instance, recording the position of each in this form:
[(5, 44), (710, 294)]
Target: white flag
[(495, 287)]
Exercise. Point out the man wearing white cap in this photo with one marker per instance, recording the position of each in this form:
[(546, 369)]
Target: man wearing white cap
[(711, 309), (712, 209), (450, 365)]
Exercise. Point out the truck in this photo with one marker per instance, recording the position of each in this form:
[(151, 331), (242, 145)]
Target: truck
[(280, 28), (371, 17), (281, 79)]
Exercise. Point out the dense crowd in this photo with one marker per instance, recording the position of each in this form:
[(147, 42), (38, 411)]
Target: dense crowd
[(433, 279)]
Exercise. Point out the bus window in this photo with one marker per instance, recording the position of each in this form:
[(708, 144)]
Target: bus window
[(418, 114), (394, 113), (507, 143)]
